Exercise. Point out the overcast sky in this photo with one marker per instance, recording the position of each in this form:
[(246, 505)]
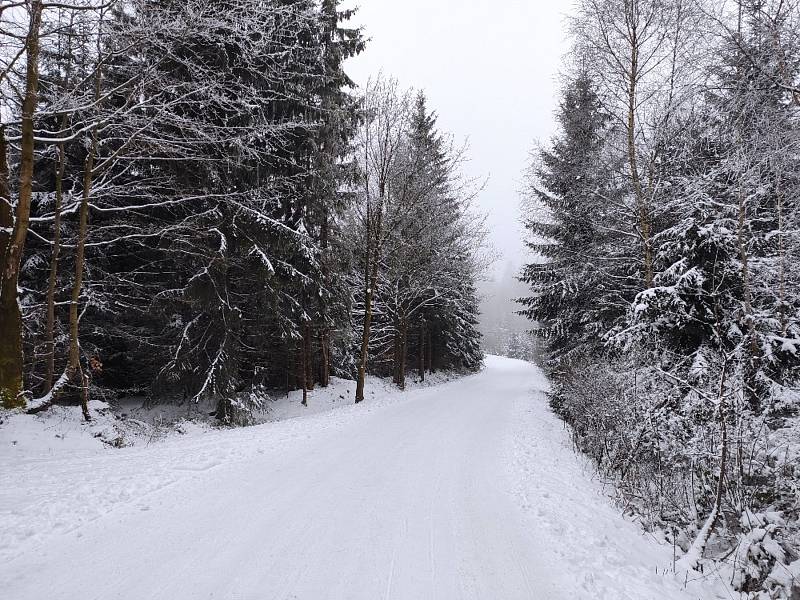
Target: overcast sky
[(489, 68)]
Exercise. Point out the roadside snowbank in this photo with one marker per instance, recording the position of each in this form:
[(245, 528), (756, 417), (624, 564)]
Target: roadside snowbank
[(611, 557), (62, 429)]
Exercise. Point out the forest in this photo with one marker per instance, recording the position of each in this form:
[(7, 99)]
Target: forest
[(669, 299), (197, 203), (201, 211)]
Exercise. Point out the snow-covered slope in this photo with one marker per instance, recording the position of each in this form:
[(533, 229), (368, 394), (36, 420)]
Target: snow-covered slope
[(464, 490), (62, 430)]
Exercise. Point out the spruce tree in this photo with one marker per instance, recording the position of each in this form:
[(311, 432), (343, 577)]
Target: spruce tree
[(573, 301)]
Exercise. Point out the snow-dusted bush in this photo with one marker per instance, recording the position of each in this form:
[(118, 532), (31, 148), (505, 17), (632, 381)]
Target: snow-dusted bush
[(246, 408)]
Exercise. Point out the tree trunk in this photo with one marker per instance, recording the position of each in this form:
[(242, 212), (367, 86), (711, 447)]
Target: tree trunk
[(371, 282), (692, 557), (362, 362), (782, 305), (303, 372), (401, 376), (753, 361), (421, 365), (638, 190), (325, 358), (223, 412), (324, 335), (74, 359), (308, 348), (288, 370), (11, 357), (430, 352), (394, 358), (397, 354), (373, 233), (11, 364), (51, 284)]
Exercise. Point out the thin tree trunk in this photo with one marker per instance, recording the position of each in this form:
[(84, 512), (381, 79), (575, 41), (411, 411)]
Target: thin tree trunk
[(638, 189), (304, 370), (421, 365), (288, 371), (309, 344), (362, 363), (73, 370), (782, 306), (308, 348), (430, 352), (371, 282), (753, 354), (401, 378), (362, 359), (325, 358), (51, 284), (396, 355), (74, 365), (324, 336), (11, 353), (692, 557)]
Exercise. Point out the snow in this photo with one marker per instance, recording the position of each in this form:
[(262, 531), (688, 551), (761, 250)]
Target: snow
[(264, 258), (42, 402), (466, 489), (690, 560), (602, 555), (785, 575), (129, 422)]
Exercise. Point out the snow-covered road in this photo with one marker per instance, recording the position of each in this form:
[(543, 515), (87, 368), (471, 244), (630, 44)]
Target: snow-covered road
[(467, 490)]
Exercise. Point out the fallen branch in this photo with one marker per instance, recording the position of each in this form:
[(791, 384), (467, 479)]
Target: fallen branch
[(46, 401), (42, 404), (690, 560)]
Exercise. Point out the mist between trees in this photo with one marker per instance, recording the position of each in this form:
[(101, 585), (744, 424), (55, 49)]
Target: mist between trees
[(505, 332), (667, 210), (196, 202)]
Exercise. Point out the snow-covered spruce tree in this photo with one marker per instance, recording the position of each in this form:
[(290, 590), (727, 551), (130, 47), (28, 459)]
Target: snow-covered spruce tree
[(454, 324), (161, 165), (721, 286), (449, 241), (239, 309), (575, 297)]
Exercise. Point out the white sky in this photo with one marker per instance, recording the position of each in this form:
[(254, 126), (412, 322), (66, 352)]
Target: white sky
[(489, 68)]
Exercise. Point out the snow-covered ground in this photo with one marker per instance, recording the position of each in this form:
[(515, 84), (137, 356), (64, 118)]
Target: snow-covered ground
[(464, 490), (129, 422)]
